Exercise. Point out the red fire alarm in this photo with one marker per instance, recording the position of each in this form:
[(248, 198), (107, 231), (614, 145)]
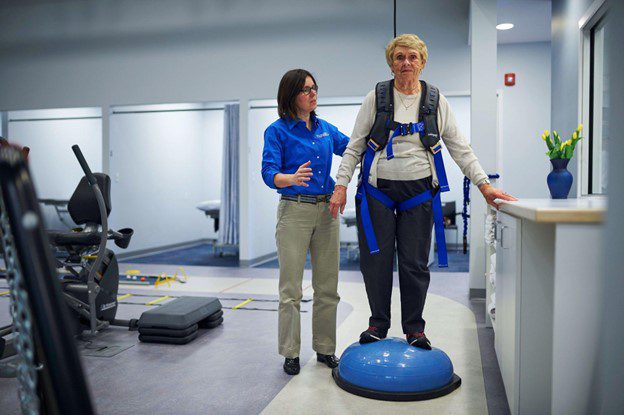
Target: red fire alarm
[(510, 79)]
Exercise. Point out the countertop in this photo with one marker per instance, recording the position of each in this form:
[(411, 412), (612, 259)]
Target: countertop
[(583, 210)]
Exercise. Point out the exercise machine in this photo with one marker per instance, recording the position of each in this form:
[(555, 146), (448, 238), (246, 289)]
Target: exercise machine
[(89, 272)]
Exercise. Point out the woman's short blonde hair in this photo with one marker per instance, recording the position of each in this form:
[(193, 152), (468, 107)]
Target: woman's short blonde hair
[(408, 41)]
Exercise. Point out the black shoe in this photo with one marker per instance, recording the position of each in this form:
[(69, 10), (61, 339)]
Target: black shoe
[(329, 359), (291, 366), (372, 334), (419, 340)]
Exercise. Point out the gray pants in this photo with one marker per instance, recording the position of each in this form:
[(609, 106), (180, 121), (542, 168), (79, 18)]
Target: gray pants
[(410, 233), (302, 227)]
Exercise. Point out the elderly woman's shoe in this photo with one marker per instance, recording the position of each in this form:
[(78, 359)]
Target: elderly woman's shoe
[(291, 366), (372, 334), (329, 359), (418, 340)]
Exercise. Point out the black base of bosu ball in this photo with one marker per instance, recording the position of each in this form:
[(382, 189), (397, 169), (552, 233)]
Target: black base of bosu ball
[(392, 370)]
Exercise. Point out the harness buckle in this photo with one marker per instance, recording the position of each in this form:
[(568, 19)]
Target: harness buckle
[(373, 145), (436, 148)]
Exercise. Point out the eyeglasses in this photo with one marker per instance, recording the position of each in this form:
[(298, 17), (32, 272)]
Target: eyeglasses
[(411, 58), (308, 89)]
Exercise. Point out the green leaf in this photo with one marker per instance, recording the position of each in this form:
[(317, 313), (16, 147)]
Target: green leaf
[(554, 154), (556, 139)]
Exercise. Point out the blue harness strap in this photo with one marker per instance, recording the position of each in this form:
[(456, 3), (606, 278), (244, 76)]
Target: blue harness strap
[(365, 188), (403, 129)]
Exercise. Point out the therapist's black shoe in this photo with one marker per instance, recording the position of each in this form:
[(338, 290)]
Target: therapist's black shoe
[(419, 340), (291, 366), (373, 334), (329, 359)]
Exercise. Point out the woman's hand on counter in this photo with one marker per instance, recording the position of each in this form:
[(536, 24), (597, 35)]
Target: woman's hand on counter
[(491, 193)]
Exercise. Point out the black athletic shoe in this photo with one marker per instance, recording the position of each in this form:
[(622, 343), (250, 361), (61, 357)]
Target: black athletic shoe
[(372, 334), (291, 366), (329, 359), (419, 340)]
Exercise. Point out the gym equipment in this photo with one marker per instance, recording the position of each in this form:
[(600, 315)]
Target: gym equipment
[(392, 370), (90, 273), (50, 373), (178, 321), (135, 277)]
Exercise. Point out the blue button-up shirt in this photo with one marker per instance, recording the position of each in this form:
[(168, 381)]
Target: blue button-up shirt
[(288, 144)]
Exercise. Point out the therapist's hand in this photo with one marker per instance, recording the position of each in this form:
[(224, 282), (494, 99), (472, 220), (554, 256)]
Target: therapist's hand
[(298, 178), (302, 175), (338, 201), (490, 193)]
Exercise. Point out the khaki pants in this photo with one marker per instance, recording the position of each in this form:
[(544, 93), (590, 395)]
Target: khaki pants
[(303, 226)]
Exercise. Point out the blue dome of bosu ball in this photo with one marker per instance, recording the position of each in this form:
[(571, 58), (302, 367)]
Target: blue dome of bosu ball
[(393, 370)]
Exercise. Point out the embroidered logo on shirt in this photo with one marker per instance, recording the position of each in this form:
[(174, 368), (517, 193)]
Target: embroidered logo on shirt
[(322, 135)]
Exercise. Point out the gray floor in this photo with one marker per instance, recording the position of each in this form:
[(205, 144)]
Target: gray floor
[(244, 369)]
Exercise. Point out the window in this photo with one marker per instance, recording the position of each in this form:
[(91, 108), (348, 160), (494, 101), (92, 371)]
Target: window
[(598, 131), (595, 100)]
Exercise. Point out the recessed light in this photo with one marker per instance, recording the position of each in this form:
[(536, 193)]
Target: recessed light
[(505, 26)]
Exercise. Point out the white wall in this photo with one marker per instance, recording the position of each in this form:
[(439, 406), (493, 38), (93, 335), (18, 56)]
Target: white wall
[(52, 163), (526, 114), (50, 135), (263, 199), (144, 51), (162, 165), (565, 71), (483, 124), (461, 108)]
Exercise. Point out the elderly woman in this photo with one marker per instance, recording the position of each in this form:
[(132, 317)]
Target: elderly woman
[(396, 137), (297, 161)]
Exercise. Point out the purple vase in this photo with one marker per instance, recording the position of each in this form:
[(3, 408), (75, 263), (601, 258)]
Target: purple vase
[(559, 179)]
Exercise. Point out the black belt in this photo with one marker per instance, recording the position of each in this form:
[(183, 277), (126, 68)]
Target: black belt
[(314, 199)]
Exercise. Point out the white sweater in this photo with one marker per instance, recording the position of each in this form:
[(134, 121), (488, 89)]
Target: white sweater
[(411, 160)]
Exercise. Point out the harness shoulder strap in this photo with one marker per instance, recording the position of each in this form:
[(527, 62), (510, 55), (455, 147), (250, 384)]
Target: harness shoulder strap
[(428, 114), (384, 115)]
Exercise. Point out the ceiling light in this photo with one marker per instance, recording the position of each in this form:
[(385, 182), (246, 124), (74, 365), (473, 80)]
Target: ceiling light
[(504, 26)]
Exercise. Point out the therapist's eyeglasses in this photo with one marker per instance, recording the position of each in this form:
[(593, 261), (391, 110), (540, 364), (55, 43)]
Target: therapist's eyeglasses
[(308, 89)]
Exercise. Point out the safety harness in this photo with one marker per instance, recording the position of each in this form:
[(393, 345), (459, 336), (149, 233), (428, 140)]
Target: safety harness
[(427, 127)]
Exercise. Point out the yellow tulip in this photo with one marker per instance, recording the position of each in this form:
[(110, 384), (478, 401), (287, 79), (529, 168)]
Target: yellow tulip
[(543, 137), (562, 146), (580, 127), (546, 133), (574, 135)]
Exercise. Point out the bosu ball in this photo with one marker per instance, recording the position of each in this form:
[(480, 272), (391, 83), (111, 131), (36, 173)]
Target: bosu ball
[(392, 370)]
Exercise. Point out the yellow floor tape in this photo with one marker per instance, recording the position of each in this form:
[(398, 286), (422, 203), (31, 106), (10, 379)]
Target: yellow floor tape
[(242, 304), (158, 300), (5, 293), (121, 297)]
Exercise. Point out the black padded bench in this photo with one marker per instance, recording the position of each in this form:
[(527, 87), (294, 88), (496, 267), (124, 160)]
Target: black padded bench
[(179, 321)]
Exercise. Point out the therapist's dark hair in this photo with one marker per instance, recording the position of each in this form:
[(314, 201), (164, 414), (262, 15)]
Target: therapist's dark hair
[(290, 86)]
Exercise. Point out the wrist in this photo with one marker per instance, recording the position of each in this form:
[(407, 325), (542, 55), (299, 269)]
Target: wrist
[(340, 188)]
